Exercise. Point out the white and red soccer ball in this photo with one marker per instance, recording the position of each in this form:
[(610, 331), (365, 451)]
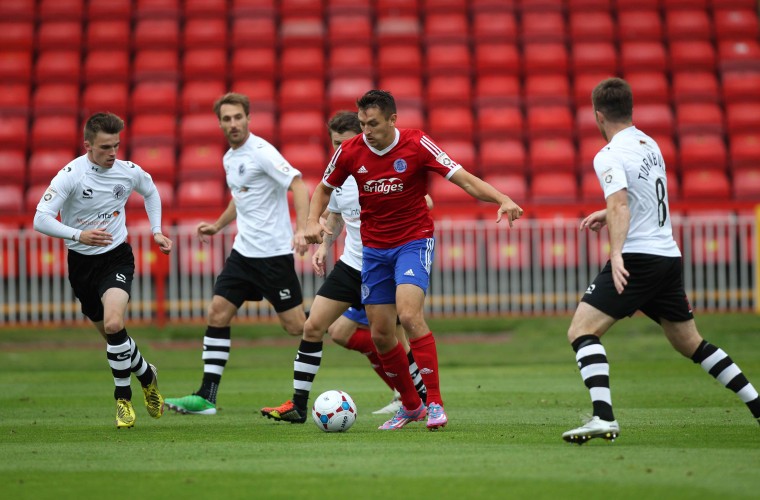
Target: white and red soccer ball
[(334, 411)]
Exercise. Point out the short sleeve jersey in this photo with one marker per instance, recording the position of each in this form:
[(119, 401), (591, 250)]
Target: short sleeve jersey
[(259, 177), (345, 201), (632, 160), (89, 196), (392, 185)]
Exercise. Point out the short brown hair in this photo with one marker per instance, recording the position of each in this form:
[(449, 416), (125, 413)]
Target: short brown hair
[(380, 99), (613, 97), (235, 99), (344, 121), (107, 123)]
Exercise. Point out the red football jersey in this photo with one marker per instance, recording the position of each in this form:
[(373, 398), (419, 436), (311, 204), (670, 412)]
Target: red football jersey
[(392, 185)]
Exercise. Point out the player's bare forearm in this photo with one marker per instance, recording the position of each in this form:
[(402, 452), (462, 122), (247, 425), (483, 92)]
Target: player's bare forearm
[(300, 202), (334, 225), (229, 215), (618, 220), (319, 201)]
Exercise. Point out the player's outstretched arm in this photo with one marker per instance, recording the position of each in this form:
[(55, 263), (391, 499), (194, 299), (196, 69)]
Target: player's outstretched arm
[(618, 222), (301, 207), (480, 189), (204, 229)]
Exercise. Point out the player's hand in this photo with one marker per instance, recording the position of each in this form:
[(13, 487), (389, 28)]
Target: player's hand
[(96, 237), (595, 221), (164, 243), (299, 243), (204, 229), (619, 273), (511, 209), (314, 231), (318, 261)]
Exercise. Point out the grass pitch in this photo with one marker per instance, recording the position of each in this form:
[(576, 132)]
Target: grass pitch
[(510, 385)]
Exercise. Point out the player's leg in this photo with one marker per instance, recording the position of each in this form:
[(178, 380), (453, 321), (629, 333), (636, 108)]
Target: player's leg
[(685, 338), (586, 328), (414, 370)]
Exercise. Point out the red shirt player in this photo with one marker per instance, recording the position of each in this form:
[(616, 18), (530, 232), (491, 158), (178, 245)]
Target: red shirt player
[(391, 167)]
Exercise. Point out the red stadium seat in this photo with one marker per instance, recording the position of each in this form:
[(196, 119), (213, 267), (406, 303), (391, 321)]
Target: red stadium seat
[(17, 10), (588, 26), (204, 64), (597, 57), (346, 28), (153, 129), (298, 61), (293, 8), (668, 150), (58, 66), (514, 185), (460, 150), (300, 93), (199, 96), (165, 191), (112, 33), (342, 92), (639, 25), (744, 150), (448, 58), (106, 66), (702, 151), (497, 90), (59, 35), (350, 60), (399, 59), (446, 193), (554, 187), (13, 166), (736, 24), (157, 9), (649, 87), (709, 184), (56, 99), (584, 84), (591, 190), (405, 89), (11, 199), (205, 33), (309, 158), (497, 58), (259, 91), (198, 128), (626, 5), (56, 131), (746, 185), (693, 86), (588, 5), (454, 122), (205, 9), (585, 121), (195, 194), (304, 125), (202, 160), (545, 57), (13, 132), (743, 117), (113, 9), (692, 55), (154, 97), (655, 119), (14, 99), (456, 6), (254, 62), (670, 5), (60, 10), (688, 25), (397, 29), (263, 124), (34, 194), (15, 66), (699, 117), (554, 121), (502, 157), (551, 154), (46, 163), (546, 89), (494, 27), (308, 31), (740, 86), (16, 35), (449, 90), (542, 26), (643, 56), (449, 27), (156, 33), (254, 31), (588, 147), (410, 116), (499, 122), (159, 161), (397, 7), (155, 65), (739, 54)]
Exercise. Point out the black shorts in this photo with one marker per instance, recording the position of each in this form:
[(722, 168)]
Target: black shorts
[(250, 278), (344, 284), (91, 275), (655, 287)]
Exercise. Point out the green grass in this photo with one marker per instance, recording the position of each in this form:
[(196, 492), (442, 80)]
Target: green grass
[(510, 393)]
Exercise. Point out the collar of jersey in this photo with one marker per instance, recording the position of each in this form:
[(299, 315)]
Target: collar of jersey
[(623, 133), (379, 152)]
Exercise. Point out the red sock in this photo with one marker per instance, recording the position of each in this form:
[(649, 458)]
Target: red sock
[(396, 363), (426, 356), (361, 341)]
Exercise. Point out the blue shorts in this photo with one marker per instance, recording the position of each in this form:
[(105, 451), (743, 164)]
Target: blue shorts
[(383, 269), (357, 316)]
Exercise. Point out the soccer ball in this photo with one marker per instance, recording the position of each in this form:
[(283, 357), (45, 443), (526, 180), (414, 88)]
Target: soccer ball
[(334, 411)]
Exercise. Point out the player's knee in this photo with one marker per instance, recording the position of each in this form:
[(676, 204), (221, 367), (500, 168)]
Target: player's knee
[(113, 325), (339, 336), (312, 332)]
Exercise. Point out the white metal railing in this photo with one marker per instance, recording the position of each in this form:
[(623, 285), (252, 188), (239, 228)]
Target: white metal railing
[(537, 267)]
